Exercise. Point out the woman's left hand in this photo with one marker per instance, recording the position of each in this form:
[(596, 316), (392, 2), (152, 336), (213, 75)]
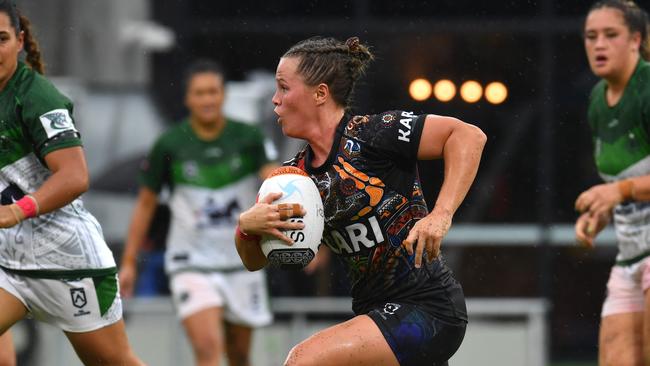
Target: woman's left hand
[(428, 234), (599, 199), (8, 217)]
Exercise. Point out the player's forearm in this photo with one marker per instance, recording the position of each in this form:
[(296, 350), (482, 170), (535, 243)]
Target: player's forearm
[(462, 155), (140, 220), (61, 188), (250, 253), (640, 189)]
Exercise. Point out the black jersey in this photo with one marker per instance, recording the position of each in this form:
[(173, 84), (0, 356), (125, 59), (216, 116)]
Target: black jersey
[(372, 197)]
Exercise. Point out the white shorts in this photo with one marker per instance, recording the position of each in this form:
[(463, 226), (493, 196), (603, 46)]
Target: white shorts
[(76, 306), (242, 294), (626, 288)]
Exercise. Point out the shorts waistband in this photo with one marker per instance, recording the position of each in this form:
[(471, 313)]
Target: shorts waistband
[(54, 274), (207, 270), (629, 207), (633, 260)]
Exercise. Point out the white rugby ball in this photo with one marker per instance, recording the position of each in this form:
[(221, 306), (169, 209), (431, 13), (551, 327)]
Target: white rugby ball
[(296, 187)]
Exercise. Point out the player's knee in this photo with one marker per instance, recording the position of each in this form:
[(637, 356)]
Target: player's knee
[(7, 361), (623, 359), (300, 356), (130, 359), (207, 347), (238, 355), (238, 358), (646, 354)]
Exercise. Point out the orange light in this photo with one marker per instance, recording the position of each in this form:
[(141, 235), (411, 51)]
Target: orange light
[(420, 89), (471, 91), (444, 90), (496, 92)]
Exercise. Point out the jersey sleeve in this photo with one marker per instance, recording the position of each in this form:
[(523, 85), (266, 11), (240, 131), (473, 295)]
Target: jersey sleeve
[(155, 168), (395, 133), (47, 116)]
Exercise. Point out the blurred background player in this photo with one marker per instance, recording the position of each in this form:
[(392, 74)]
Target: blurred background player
[(409, 308), (212, 165), (616, 41), (54, 263)]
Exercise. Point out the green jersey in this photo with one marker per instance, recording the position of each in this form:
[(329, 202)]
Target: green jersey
[(35, 120), (211, 182), (621, 135)]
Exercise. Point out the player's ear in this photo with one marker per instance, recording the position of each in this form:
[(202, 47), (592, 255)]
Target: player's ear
[(321, 94), (636, 40), (21, 40)]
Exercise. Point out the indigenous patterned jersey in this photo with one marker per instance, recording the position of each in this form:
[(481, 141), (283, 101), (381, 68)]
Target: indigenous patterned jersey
[(372, 198), (35, 120), (211, 182), (621, 135)]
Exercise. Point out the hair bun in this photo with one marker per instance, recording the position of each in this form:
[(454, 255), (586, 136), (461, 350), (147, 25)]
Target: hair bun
[(353, 44)]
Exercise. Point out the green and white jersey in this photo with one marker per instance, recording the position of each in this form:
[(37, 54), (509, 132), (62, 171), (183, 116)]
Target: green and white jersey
[(35, 120), (211, 182), (621, 136)]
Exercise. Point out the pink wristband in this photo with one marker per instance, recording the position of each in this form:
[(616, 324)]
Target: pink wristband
[(248, 237), (28, 206)]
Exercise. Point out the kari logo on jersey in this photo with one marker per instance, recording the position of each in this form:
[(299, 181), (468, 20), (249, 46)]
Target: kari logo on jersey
[(56, 121), (405, 128), (356, 237)]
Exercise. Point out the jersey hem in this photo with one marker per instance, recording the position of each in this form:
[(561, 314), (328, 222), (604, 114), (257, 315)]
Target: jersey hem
[(633, 260), (207, 270), (53, 274)]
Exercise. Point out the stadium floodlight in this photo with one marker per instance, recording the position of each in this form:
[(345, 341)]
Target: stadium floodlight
[(471, 91), (496, 92), (444, 90), (420, 89)]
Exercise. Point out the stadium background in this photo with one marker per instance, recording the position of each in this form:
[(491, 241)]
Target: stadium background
[(122, 62)]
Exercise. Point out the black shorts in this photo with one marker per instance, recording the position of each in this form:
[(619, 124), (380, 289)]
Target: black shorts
[(417, 337)]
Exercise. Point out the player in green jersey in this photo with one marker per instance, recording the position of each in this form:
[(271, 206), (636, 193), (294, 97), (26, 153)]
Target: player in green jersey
[(54, 263), (212, 166), (616, 42)]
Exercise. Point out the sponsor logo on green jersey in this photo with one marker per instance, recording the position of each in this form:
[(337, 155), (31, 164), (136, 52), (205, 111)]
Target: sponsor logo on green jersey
[(56, 121)]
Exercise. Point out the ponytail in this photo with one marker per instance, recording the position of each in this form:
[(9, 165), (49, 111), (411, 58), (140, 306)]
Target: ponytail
[(31, 47)]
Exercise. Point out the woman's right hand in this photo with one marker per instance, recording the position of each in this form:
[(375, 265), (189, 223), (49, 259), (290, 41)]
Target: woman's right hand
[(266, 218), (8, 218), (127, 276), (588, 226)]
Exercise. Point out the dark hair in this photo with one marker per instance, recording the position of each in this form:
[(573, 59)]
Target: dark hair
[(335, 63), (21, 23), (635, 18), (201, 66)]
